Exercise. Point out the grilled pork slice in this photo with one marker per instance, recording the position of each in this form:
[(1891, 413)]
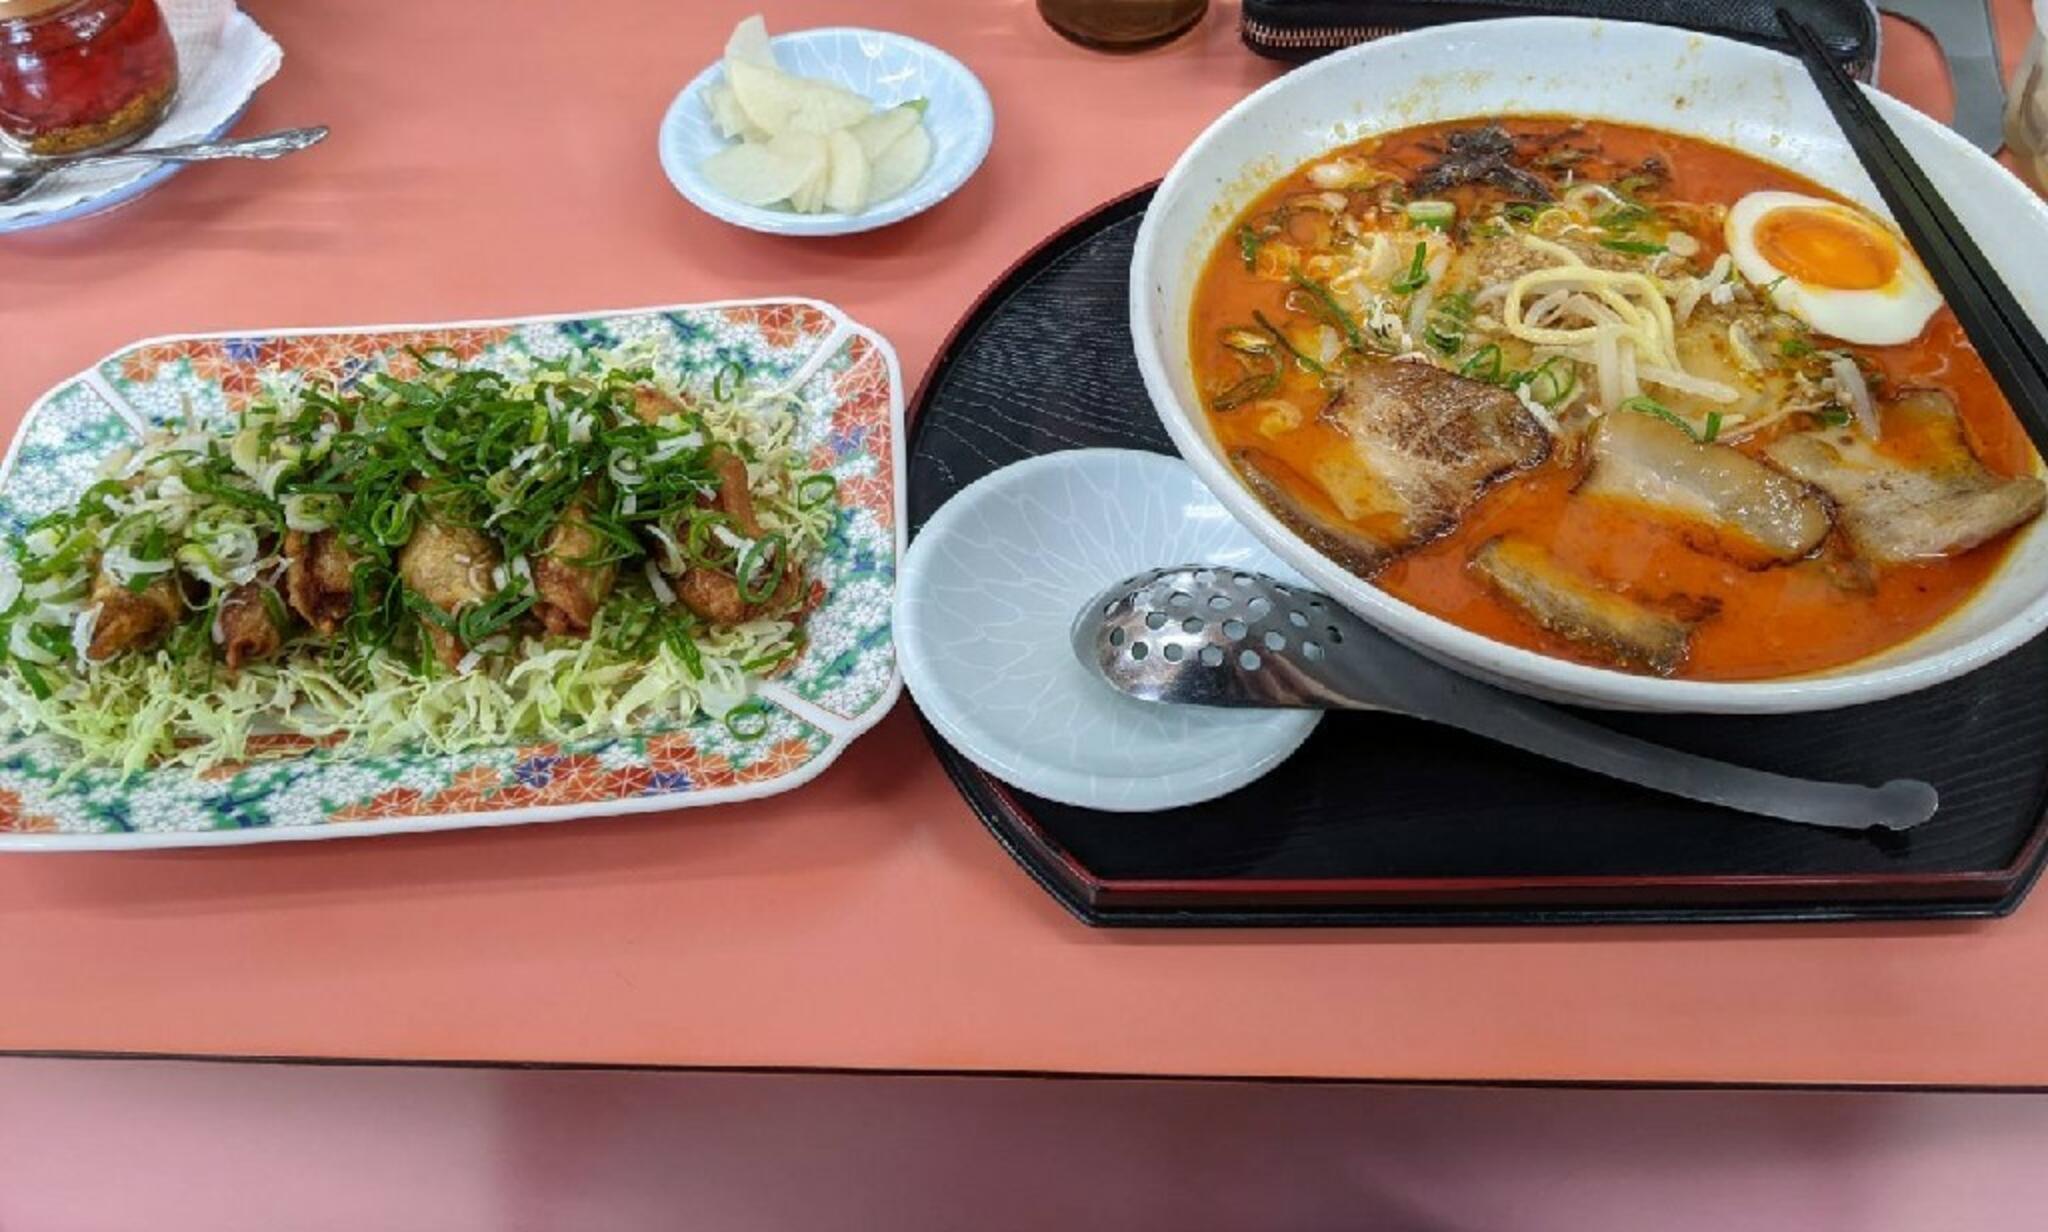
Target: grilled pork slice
[(1748, 510), (1275, 483), (131, 619), (450, 567), (1424, 444), (251, 624), (1592, 617), (1895, 511), (319, 579)]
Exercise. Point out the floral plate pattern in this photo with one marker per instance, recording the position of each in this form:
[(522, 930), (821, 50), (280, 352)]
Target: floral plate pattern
[(844, 681)]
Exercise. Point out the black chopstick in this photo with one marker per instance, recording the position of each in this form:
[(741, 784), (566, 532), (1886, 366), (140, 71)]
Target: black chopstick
[(1952, 257), (2012, 349)]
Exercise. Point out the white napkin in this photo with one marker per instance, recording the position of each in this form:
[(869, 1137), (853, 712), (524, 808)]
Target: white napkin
[(222, 57), (196, 27)]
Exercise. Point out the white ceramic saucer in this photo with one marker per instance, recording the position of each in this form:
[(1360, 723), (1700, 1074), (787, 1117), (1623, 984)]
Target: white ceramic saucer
[(990, 588)]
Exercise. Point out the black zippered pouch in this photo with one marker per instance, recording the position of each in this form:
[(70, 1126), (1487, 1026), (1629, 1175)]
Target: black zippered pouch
[(1305, 29)]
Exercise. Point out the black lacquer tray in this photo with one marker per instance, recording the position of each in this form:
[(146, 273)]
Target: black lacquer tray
[(1382, 820)]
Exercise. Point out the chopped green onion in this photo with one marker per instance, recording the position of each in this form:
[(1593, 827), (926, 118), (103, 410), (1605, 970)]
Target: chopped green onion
[(763, 559), (679, 640), (1713, 426), (391, 524), (1795, 348), (53, 638), (1331, 312), (697, 540), (1622, 217), (747, 721), (273, 607), (1642, 404), (815, 491), (1417, 276), (1639, 247), (418, 605), (1445, 329), (37, 685), (1286, 344), (1483, 364), (772, 658), (1248, 245), (1553, 381), (728, 381), (1257, 385), (1435, 214), (1834, 416), (493, 614)]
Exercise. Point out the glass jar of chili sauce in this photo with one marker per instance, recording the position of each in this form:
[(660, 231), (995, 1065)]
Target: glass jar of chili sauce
[(83, 74)]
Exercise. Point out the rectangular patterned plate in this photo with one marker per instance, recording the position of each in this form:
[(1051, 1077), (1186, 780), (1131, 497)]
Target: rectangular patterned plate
[(842, 684)]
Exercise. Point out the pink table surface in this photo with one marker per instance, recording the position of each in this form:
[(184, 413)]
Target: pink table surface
[(495, 160)]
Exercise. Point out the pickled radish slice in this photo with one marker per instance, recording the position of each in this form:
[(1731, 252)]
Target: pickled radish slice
[(885, 128), (763, 174), (846, 188), (811, 145), (899, 166)]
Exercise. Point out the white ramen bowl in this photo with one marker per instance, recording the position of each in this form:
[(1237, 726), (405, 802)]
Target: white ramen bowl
[(1742, 96)]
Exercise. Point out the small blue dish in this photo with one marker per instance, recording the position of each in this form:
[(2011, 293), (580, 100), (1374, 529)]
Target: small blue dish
[(115, 197), (885, 68)]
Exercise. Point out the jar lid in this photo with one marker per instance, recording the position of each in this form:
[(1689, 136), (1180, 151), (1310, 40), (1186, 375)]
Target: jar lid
[(15, 10)]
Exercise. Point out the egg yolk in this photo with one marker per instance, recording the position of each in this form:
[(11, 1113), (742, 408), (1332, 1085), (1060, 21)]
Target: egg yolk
[(1826, 248)]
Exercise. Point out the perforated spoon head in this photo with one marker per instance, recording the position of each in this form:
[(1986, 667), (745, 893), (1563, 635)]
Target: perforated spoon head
[(1214, 636)]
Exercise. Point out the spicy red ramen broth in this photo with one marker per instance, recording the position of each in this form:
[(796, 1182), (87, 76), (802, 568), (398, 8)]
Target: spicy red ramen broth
[(1285, 317)]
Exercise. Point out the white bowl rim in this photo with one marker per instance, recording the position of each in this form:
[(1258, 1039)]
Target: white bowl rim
[(919, 197), (1499, 662)]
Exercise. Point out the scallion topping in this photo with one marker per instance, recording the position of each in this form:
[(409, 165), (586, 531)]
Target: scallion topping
[(1330, 311), (1417, 276)]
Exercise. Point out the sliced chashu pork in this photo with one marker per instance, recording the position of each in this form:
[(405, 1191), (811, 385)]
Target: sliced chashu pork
[(1895, 511), (1742, 508), (1424, 445), (1600, 621)]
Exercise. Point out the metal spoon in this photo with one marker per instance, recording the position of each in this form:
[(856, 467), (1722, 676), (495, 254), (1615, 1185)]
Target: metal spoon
[(1225, 637), (17, 178)]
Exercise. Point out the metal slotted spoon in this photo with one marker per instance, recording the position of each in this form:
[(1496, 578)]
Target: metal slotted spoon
[(18, 178), (1223, 637)]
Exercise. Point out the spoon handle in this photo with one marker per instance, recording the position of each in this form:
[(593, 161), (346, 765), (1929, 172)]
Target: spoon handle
[(1425, 690), (268, 145)]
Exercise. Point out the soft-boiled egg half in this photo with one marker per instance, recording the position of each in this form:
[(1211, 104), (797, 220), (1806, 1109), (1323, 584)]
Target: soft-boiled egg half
[(1833, 266)]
